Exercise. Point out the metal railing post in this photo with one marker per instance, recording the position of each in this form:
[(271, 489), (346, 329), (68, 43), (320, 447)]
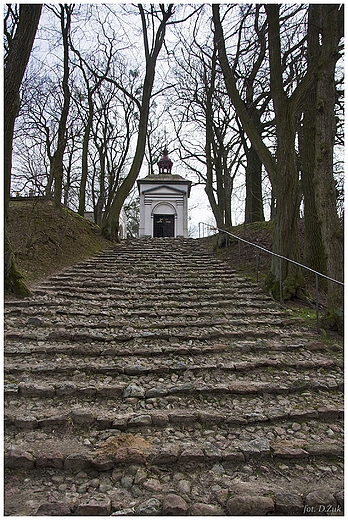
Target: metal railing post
[(280, 282), (317, 300), (257, 265)]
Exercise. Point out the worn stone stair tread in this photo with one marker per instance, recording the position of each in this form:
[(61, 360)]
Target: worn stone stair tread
[(154, 376), (78, 326), (108, 410), (51, 451), (240, 349), (116, 389), (140, 366), (92, 336)]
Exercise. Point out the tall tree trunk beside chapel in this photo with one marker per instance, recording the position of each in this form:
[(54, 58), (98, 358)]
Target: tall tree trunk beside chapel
[(313, 255), (253, 175), (253, 198), (215, 194), (331, 20), (286, 187)]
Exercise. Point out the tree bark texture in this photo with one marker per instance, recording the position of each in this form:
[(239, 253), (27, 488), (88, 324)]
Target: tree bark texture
[(253, 175), (57, 166), (286, 186), (253, 199), (314, 255), (84, 158), (17, 60), (16, 63), (215, 195), (325, 189)]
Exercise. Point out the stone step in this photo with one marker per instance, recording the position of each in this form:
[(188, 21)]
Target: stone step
[(125, 364), (169, 334), (106, 412), (138, 348), (156, 289), (270, 383), (152, 288), (30, 397), (255, 487), (133, 308), (14, 315), (111, 326), (106, 455), (112, 306)]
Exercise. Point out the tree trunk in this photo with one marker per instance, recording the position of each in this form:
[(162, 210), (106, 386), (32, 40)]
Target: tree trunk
[(314, 255), (228, 185), (286, 187), (209, 190), (57, 161), (110, 226), (286, 224), (253, 198), (98, 209), (84, 164), (325, 190), (16, 63)]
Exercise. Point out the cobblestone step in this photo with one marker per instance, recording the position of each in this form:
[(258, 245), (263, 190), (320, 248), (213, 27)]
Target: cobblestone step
[(270, 346), (126, 316), (173, 364), (151, 388), (154, 380), (162, 454), (119, 406)]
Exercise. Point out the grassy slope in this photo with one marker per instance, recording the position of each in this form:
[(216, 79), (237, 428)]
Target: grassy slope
[(46, 240)]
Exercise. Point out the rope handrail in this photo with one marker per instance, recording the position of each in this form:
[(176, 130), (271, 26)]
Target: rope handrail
[(275, 254), (317, 273)]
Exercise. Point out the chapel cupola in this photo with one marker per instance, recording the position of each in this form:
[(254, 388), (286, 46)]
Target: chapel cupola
[(165, 164)]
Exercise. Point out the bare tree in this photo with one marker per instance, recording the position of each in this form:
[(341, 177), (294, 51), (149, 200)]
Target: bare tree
[(204, 120), (19, 42), (331, 20), (64, 13), (20, 35), (152, 46), (283, 172), (92, 83)]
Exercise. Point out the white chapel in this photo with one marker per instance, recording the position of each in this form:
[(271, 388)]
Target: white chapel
[(164, 202)]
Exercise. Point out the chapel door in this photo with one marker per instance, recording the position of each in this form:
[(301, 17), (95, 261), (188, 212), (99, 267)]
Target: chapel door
[(163, 226)]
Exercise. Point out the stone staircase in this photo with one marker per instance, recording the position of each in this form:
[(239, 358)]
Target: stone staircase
[(154, 380)]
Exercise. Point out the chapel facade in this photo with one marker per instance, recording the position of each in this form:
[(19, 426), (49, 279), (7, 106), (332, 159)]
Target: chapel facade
[(164, 202)]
